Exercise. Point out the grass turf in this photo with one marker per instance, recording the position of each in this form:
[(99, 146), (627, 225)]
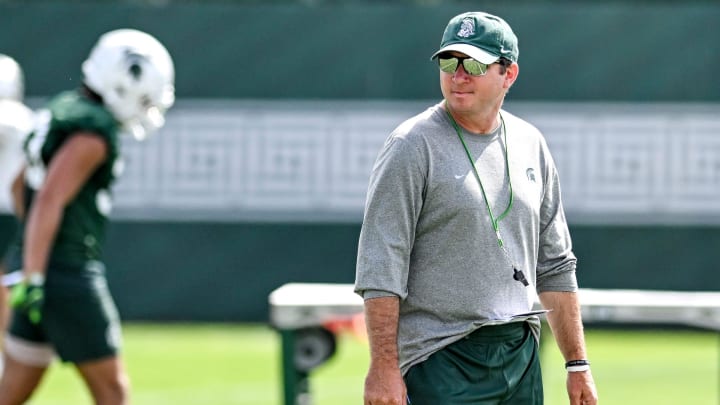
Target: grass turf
[(191, 364)]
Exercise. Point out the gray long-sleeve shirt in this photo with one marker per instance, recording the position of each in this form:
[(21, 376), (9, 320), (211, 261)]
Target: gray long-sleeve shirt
[(427, 236)]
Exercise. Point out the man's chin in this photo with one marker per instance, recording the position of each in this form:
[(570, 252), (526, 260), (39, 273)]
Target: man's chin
[(459, 104)]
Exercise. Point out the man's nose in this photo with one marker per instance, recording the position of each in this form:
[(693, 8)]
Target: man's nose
[(460, 73)]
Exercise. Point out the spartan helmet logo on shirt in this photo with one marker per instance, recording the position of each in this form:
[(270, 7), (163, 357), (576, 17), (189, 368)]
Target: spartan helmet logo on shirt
[(467, 28), (530, 172)]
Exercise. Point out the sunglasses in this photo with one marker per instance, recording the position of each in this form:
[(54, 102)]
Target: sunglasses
[(450, 64)]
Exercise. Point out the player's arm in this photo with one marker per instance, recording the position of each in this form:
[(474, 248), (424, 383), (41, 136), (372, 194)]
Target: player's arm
[(384, 384), (566, 324), (69, 169), (18, 196)]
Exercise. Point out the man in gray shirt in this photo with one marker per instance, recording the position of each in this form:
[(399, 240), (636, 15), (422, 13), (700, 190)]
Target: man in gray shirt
[(463, 229)]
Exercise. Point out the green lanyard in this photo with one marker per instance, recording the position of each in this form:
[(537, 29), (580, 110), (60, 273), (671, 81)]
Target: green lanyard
[(494, 220), (517, 274)]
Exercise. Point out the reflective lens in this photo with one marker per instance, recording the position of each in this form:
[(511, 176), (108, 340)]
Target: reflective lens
[(471, 66), (474, 67), (448, 65)]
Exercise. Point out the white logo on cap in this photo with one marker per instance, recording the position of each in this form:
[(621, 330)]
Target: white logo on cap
[(467, 28)]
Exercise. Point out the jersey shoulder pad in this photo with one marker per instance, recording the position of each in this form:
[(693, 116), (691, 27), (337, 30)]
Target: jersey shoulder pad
[(71, 112)]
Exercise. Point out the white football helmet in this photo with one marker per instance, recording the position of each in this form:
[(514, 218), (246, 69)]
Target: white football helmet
[(134, 74), (12, 81)]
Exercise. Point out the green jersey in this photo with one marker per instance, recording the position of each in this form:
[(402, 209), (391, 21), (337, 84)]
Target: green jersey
[(81, 234)]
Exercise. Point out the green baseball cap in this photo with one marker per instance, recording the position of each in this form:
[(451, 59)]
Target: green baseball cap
[(481, 36)]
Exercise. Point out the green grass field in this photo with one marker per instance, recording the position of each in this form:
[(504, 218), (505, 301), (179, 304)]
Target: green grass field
[(240, 365)]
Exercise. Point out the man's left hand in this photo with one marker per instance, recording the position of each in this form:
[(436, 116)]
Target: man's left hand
[(28, 296), (581, 388)]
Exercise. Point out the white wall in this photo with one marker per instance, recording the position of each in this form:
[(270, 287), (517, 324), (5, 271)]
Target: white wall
[(306, 160)]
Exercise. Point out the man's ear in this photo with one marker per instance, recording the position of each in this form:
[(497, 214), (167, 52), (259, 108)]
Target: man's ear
[(511, 74)]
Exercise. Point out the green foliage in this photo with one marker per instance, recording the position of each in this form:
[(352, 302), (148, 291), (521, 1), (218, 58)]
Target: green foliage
[(192, 364)]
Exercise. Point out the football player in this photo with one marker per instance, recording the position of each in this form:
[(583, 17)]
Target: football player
[(15, 124), (63, 306)]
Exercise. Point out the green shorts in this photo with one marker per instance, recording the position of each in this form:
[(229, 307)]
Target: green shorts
[(79, 318), (496, 365), (8, 230)]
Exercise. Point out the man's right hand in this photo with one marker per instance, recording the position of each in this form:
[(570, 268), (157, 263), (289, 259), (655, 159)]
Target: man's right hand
[(385, 386)]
